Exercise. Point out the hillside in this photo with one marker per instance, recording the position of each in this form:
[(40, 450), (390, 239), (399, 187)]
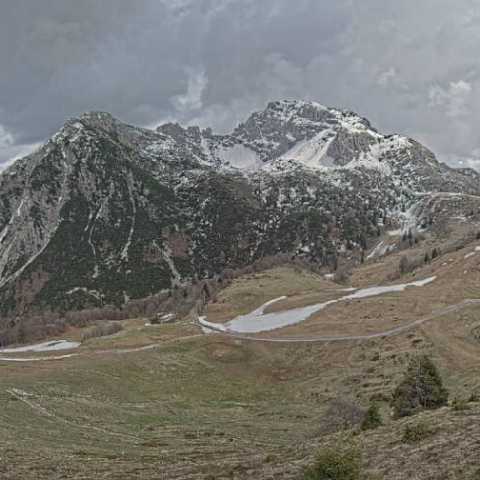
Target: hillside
[(169, 401), (105, 213), (311, 258)]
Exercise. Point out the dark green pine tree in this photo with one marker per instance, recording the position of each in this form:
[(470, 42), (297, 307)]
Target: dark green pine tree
[(372, 419), (421, 388)]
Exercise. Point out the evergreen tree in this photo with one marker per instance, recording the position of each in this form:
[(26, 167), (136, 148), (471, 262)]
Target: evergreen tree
[(372, 418), (404, 265), (421, 388)]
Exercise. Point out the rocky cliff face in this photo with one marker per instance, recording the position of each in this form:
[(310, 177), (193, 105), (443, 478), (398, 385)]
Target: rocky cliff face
[(105, 212)]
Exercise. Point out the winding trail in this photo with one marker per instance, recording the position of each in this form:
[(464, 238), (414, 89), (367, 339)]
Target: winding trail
[(344, 338), (311, 339), (112, 351)]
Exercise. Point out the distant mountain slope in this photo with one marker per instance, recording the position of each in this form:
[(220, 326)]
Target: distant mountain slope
[(105, 212)]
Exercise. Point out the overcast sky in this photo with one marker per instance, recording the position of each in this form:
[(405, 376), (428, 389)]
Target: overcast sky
[(410, 66)]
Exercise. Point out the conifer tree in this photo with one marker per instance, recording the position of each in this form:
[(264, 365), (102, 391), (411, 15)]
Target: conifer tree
[(421, 388)]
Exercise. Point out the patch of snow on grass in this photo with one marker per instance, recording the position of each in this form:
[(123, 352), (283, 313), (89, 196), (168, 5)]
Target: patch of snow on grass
[(54, 345), (258, 321)]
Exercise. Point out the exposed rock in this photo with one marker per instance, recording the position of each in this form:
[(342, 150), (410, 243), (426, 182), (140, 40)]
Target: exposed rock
[(125, 212)]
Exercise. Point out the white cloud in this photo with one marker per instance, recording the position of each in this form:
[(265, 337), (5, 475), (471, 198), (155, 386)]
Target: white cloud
[(406, 73), (471, 160), (454, 99), (6, 138), (10, 151), (191, 100), (386, 77)]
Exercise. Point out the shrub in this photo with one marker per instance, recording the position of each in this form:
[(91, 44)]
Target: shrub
[(403, 265), (335, 464), (342, 275), (421, 388), (460, 404), (102, 330), (474, 398), (372, 419), (343, 414), (416, 433)]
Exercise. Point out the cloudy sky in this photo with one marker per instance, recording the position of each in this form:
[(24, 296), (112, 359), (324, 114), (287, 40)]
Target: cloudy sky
[(410, 66)]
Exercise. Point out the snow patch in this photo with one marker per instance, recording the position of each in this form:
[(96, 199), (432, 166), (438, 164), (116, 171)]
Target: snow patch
[(381, 250), (239, 156), (43, 347), (312, 153), (259, 321), (376, 251)]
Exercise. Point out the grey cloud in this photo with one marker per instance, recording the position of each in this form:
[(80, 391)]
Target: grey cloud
[(411, 67)]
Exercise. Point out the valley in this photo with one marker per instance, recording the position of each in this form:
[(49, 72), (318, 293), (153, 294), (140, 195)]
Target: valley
[(168, 401), (239, 240)]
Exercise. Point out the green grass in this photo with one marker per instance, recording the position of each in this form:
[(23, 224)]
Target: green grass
[(213, 406)]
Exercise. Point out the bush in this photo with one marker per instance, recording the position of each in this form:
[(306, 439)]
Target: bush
[(102, 330), (372, 419), (342, 275), (343, 414), (474, 398), (416, 433), (421, 388), (404, 265), (460, 404), (334, 464)]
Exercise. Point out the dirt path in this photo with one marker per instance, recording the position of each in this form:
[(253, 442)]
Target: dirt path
[(29, 399), (333, 338), (113, 351), (342, 338)]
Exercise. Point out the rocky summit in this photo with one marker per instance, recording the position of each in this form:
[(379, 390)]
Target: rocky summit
[(106, 212)]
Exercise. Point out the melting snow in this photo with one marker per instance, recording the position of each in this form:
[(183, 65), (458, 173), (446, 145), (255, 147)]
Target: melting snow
[(239, 157), (380, 250), (313, 152), (258, 321), (43, 347), (376, 251)]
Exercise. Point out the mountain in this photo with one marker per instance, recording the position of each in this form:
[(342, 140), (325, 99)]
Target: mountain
[(105, 212)]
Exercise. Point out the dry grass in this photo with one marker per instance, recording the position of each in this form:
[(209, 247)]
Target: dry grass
[(215, 407)]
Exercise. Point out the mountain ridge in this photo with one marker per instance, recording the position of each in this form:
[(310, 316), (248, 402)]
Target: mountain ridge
[(105, 212)]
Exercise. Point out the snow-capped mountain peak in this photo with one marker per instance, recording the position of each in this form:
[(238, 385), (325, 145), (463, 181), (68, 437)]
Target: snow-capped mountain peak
[(106, 211)]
